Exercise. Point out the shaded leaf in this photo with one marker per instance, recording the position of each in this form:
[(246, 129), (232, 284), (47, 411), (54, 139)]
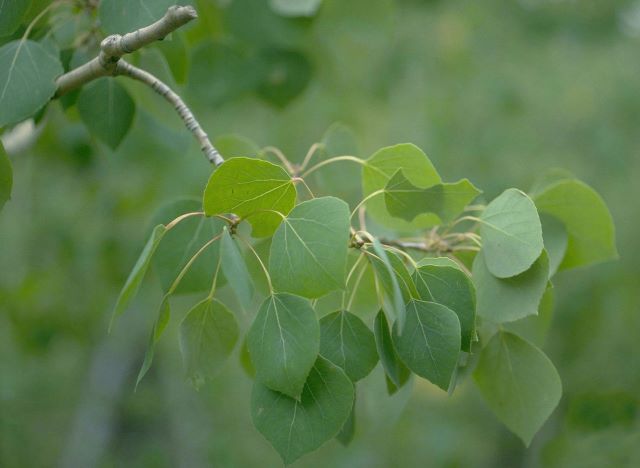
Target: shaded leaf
[(245, 360), (285, 75), (534, 328), (519, 383), (132, 284), (395, 370), (235, 269), (430, 344), (446, 284), (283, 342), (123, 16), (180, 245), (233, 146), (295, 427), (347, 342), (107, 109), (208, 334), (508, 299), (6, 177), (251, 187), (511, 234), (309, 250), (156, 333), (27, 79), (586, 219), (446, 200), (11, 14), (348, 431), (555, 241)]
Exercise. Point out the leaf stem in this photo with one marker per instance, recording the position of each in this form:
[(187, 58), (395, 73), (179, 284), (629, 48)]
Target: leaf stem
[(264, 268), (364, 200), (333, 160), (177, 220), (185, 269), (310, 154), (280, 155), (300, 179)]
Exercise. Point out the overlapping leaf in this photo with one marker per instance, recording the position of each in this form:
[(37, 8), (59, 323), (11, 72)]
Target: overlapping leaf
[(283, 342), (556, 239), (511, 234), (123, 16), (438, 281), (430, 344), (309, 249), (6, 177), (519, 383), (11, 14), (208, 334), (295, 427), (347, 342), (235, 269), (251, 188), (586, 219), (446, 200), (508, 299), (395, 370)]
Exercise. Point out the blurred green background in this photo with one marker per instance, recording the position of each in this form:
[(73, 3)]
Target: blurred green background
[(495, 91)]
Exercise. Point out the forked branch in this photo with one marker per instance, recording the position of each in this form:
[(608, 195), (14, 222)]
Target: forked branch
[(109, 62)]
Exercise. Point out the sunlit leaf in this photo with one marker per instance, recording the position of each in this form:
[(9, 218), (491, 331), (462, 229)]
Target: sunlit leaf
[(508, 299), (309, 249), (446, 200), (283, 342), (346, 341), (446, 284), (235, 269), (519, 383), (251, 188), (295, 427), (136, 275), (430, 343), (107, 109), (395, 370), (208, 334), (586, 218), (379, 169), (27, 79), (511, 234)]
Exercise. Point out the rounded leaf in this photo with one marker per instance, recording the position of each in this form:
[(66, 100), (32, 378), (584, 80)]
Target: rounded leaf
[(511, 234)]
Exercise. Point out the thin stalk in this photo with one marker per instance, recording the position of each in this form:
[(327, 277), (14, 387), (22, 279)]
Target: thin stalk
[(264, 268), (185, 269), (334, 160)]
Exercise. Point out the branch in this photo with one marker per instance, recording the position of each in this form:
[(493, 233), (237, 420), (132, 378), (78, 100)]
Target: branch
[(110, 63)]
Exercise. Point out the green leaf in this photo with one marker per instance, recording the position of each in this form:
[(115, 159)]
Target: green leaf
[(586, 218), (449, 286), (235, 269), (534, 328), (245, 360), (123, 16), (511, 234), (447, 200), (379, 169), (508, 299), (208, 334), (309, 250), (11, 14), (555, 241), (181, 243), (430, 344), (27, 79), (519, 383), (295, 427), (346, 341), (176, 53), (136, 275), (107, 109), (6, 177), (158, 329), (348, 431), (395, 370), (251, 187), (233, 146), (283, 342), (285, 75), (295, 7), (549, 178)]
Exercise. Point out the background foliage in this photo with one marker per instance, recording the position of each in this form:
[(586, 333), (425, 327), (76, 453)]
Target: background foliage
[(490, 90)]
